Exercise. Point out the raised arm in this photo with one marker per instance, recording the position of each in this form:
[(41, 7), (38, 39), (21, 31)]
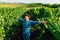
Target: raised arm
[(21, 19), (39, 22), (35, 22)]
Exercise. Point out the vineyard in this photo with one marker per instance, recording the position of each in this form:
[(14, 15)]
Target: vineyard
[(10, 27)]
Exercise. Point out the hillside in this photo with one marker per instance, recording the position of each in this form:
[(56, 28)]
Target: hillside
[(28, 5)]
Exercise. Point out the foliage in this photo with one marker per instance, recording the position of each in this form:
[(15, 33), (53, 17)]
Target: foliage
[(9, 25)]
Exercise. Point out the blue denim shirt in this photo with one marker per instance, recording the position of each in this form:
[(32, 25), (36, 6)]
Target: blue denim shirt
[(27, 24)]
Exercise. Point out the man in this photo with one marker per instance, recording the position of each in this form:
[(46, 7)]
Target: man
[(26, 23)]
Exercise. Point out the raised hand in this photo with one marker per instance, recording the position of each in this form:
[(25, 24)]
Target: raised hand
[(44, 21)]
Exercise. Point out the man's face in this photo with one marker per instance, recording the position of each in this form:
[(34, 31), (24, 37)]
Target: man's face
[(26, 18)]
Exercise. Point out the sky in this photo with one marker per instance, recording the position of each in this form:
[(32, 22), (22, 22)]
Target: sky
[(33, 1)]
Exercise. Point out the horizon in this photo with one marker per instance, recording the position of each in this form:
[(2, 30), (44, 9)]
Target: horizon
[(31, 1)]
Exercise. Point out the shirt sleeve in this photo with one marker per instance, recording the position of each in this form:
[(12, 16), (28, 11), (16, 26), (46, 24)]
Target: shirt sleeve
[(35, 22), (21, 19)]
